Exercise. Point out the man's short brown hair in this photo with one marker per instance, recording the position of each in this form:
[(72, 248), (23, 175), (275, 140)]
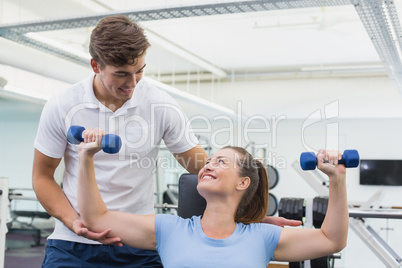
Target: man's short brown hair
[(117, 41)]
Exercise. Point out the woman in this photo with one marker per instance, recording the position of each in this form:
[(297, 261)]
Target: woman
[(229, 234)]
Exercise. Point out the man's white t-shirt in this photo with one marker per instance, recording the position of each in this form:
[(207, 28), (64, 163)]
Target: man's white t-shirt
[(125, 179)]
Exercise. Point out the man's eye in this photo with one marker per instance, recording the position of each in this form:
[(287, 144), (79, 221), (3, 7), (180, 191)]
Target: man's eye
[(221, 161)]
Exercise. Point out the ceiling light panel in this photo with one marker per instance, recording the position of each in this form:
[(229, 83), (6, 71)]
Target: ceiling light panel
[(378, 16), (16, 32)]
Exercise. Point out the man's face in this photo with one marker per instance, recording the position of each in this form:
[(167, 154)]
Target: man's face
[(118, 83)]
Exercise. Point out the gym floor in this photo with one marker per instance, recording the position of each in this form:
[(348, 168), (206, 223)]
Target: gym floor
[(21, 251)]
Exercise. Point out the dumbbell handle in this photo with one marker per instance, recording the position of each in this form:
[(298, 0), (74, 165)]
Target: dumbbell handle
[(111, 143), (350, 159)]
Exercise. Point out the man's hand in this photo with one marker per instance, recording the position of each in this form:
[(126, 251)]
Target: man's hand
[(281, 221), (102, 237)]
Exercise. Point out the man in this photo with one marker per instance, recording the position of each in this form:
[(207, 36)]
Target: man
[(115, 99)]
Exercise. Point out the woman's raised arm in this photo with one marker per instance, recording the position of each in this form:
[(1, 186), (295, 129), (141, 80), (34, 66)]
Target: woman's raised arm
[(134, 230), (296, 244)]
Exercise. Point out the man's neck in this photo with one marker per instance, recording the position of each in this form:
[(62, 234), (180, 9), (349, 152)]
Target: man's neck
[(104, 97)]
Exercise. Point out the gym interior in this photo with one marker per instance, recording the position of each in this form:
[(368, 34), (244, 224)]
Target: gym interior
[(277, 77)]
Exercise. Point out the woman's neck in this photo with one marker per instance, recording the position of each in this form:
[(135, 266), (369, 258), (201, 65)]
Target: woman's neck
[(218, 221)]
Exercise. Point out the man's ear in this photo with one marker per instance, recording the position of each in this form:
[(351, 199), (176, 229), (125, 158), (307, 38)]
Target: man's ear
[(244, 183), (95, 66)]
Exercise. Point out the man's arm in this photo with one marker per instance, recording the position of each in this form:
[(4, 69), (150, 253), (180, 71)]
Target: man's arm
[(192, 160), (48, 192), (52, 198), (281, 221)]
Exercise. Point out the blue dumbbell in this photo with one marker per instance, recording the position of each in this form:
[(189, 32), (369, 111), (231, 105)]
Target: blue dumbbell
[(350, 159), (111, 143)]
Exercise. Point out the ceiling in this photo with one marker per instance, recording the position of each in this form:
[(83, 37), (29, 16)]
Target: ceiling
[(323, 36)]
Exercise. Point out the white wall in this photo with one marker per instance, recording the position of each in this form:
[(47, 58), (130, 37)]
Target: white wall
[(358, 97), (18, 124)]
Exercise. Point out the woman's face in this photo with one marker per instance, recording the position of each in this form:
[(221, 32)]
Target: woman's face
[(220, 174)]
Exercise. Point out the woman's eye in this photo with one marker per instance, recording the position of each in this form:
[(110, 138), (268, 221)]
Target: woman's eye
[(221, 161)]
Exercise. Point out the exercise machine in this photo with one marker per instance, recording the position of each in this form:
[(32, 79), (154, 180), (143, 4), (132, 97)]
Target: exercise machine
[(15, 225)]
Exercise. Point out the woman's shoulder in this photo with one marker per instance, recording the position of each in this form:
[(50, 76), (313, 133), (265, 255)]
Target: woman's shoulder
[(260, 227), (169, 218)]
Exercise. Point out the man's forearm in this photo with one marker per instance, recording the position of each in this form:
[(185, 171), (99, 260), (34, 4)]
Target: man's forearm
[(53, 199), (192, 160)]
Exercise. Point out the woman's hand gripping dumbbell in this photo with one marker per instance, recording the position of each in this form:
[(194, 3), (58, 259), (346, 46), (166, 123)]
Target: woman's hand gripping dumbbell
[(350, 159), (111, 143)]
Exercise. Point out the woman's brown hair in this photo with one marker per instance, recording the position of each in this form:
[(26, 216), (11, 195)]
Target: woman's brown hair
[(117, 41), (253, 206)]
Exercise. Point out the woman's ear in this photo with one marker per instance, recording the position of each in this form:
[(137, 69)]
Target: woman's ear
[(244, 183)]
